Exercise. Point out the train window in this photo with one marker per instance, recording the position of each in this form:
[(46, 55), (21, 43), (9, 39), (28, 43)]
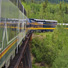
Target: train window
[(1, 31), (18, 3), (20, 27), (24, 26), (12, 30), (14, 1)]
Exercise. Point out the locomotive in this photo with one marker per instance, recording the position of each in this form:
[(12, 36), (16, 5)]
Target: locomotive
[(48, 25)]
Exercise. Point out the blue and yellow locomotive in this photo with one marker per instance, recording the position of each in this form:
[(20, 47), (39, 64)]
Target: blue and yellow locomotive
[(43, 25)]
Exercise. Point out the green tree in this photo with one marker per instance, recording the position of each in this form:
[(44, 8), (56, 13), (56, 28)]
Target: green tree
[(60, 5), (32, 1), (66, 9)]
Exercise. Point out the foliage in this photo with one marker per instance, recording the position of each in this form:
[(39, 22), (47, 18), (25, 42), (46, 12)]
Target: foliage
[(52, 48), (40, 1), (62, 59), (34, 66), (43, 50), (47, 10)]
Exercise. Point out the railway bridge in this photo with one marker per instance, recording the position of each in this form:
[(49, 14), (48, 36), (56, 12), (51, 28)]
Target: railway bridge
[(14, 27), (23, 58)]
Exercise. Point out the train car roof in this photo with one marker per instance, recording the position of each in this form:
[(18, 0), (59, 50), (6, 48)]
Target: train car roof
[(62, 23), (51, 20), (42, 20)]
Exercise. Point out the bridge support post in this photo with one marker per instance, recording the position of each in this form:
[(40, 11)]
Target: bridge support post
[(31, 37)]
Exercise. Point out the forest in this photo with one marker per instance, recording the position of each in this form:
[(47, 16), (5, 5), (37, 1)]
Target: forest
[(40, 1), (47, 10), (49, 49)]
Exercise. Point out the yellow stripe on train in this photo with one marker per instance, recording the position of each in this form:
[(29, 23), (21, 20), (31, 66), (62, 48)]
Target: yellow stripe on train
[(39, 28), (30, 28), (5, 51)]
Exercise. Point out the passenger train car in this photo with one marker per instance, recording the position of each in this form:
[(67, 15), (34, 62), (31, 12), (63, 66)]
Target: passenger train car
[(49, 24), (12, 29), (40, 23)]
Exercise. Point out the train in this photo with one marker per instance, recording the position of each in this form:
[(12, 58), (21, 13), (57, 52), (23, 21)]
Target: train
[(48, 25), (14, 26), (13, 21)]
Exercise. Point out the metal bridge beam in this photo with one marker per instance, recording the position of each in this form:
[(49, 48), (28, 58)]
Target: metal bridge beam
[(22, 59)]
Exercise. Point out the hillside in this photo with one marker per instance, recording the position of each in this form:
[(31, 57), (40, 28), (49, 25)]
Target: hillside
[(40, 1), (50, 49), (47, 11), (52, 1)]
